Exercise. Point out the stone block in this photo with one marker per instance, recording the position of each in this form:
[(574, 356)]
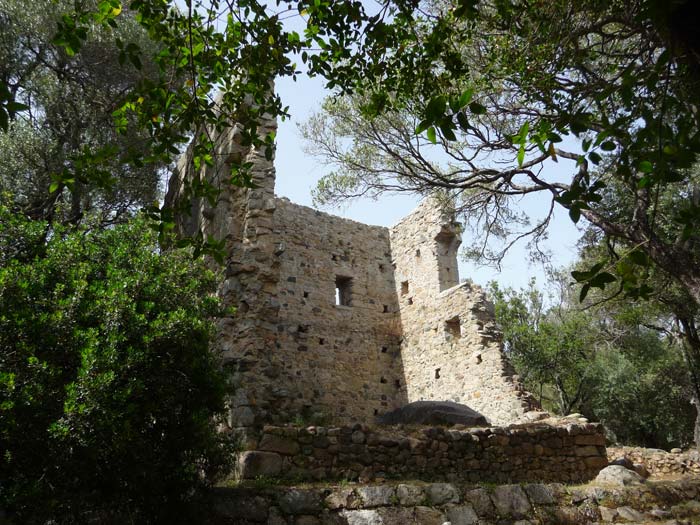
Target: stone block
[(343, 498), (596, 462), (618, 476), (253, 464), (307, 520), (279, 444), (586, 451), (427, 516), (362, 517), (630, 514), (590, 439), (441, 493), (398, 516), (300, 501), (376, 495), (510, 501), (480, 501), (410, 495), (462, 515), (539, 494), (242, 508), (608, 515)]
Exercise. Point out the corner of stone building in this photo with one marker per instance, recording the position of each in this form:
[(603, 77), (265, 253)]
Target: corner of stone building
[(451, 347)]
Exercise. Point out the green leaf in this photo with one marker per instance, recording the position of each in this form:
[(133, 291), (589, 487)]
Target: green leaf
[(521, 154), (638, 258), (432, 137), (436, 108), (425, 124), (608, 145), (463, 121), (477, 108), (575, 213), (447, 131), (584, 292), (465, 97), (645, 166), (644, 182), (603, 278), (522, 133), (581, 276), (14, 106), (594, 157)]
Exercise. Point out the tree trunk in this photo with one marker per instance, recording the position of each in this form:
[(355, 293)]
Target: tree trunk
[(691, 353), (696, 433)]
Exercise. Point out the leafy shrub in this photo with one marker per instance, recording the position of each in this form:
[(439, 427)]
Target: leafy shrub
[(108, 389)]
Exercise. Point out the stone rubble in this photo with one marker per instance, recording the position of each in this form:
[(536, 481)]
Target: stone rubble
[(655, 462)]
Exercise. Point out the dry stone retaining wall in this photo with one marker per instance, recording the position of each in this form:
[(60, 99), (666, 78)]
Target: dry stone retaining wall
[(659, 462), (439, 503), (570, 453)]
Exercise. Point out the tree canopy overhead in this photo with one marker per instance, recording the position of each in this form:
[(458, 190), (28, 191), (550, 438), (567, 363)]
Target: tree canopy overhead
[(63, 158), (600, 88), (506, 87)]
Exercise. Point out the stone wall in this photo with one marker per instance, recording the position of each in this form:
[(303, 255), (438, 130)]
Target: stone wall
[(405, 330), (342, 361), (451, 349), (440, 503), (564, 453), (660, 463), (244, 219)]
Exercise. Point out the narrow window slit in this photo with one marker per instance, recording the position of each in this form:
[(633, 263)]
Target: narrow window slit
[(343, 291)]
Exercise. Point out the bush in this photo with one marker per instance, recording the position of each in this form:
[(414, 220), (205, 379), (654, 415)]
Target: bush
[(108, 389)]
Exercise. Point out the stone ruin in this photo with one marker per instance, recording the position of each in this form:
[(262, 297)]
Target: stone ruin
[(337, 323)]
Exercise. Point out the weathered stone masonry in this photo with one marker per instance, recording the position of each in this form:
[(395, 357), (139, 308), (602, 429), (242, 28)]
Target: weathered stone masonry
[(451, 349), (537, 452), (339, 321), (415, 503)]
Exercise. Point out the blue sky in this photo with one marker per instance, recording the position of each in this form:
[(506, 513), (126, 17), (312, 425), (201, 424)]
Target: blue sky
[(297, 174)]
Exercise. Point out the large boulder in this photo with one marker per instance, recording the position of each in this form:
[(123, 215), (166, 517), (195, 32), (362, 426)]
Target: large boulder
[(445, 413), (619, 476)]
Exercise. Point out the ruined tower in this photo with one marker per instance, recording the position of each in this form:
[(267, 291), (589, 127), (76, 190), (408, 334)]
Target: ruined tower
[(338, 321)]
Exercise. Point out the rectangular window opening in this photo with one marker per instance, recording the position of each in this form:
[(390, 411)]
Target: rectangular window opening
[(343, 291), (404, 288), (453, 327)]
